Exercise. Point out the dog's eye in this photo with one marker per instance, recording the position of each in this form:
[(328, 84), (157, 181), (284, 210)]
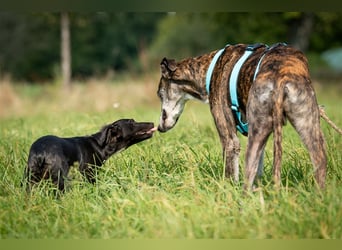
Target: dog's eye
[(164, 115), (116, 129), (131, 123), (116, 133), (161, 93)]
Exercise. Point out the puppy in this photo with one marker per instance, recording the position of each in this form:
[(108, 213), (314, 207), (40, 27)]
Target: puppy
[(51, 157)]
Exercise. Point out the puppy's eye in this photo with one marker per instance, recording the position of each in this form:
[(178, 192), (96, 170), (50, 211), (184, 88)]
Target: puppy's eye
[(116, 130), (131, 123), (116, 134)]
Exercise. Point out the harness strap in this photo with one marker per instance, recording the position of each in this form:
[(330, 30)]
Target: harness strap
[(265, 52), (233, 81), (211, 68), (258, 66), (242, 127)]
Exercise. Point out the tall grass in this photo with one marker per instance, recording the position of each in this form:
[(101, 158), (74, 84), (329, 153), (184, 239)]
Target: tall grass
[(171, 186)]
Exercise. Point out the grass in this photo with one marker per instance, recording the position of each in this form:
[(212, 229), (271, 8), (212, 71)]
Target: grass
[(171, 186)]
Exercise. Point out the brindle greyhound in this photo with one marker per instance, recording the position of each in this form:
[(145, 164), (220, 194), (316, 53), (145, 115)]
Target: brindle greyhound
[(273, 85)]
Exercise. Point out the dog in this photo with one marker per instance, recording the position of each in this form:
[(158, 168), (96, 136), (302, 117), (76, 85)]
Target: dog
[(51, 157), (272, 86)]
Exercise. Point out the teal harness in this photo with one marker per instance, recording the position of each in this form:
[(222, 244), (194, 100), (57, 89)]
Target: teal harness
[(242, 127)]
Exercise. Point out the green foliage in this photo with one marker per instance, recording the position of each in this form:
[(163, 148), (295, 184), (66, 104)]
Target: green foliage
[(327, 31), (29, 45), (189, 34), (250, 27), (107, 42), (171, 186), (100, 42), (183, 34)]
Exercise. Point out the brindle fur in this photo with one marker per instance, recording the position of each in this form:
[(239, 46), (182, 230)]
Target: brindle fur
[(282, 90)]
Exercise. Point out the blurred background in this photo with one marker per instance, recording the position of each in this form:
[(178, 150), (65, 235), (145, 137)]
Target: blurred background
[(62, 49), (110, 43)]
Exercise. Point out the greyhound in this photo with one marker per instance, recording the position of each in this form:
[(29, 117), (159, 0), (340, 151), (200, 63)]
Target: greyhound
[(272, 85), (51, 156)]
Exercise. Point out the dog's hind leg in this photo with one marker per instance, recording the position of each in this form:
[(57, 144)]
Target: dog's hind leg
[(58, 171), (34, 170), (303, 112), (259, 116), (278, 120), (261, 163), (58, 178), (318, 156), (256, 144)]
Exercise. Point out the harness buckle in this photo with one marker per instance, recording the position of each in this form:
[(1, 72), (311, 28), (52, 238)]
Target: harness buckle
[(234, 108), (243, 128), (255, 46)]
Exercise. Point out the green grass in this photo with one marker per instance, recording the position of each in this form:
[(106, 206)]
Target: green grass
[(171, 186)]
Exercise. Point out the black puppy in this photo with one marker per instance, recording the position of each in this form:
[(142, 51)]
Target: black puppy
[(52, 157)]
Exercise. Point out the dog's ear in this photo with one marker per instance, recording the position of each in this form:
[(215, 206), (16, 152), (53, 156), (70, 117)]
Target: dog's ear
[(109, 134), (168, 66)]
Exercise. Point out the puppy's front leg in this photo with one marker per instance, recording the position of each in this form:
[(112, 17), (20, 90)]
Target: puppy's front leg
[(89, 172)]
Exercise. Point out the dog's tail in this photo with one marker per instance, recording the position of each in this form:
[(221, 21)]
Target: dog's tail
[(278, 122), (330, 122)]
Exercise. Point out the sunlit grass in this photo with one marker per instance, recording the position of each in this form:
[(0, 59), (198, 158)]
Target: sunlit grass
[(171, 186)]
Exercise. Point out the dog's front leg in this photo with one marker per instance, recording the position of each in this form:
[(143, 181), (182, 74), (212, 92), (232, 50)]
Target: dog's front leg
[(261, 164), (229, 140), (231, 152), (89, 172)]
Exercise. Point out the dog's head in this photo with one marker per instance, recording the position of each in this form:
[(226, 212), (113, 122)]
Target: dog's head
[(123, 133), (175, 88)]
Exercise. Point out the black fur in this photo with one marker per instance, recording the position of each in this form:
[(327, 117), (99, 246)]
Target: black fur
[(51, 156)]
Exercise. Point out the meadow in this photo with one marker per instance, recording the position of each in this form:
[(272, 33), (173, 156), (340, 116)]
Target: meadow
[(171, 186)]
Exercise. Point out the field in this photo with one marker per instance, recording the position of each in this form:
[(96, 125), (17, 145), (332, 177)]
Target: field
[(171, 186)]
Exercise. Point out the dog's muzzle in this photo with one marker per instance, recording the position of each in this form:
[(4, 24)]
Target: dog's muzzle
[(162, 129), (166, 124)]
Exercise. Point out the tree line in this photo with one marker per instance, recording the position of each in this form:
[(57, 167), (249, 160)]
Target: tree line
[(104, 43)]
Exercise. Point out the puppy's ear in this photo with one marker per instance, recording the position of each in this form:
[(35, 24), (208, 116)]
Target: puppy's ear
[(168, 67), (109, 134)]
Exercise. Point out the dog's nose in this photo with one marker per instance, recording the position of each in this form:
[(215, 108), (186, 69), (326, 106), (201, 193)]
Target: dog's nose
[(161, 129)]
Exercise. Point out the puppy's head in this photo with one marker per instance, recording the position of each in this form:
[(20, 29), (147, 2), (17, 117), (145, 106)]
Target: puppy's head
[(123, 133)]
